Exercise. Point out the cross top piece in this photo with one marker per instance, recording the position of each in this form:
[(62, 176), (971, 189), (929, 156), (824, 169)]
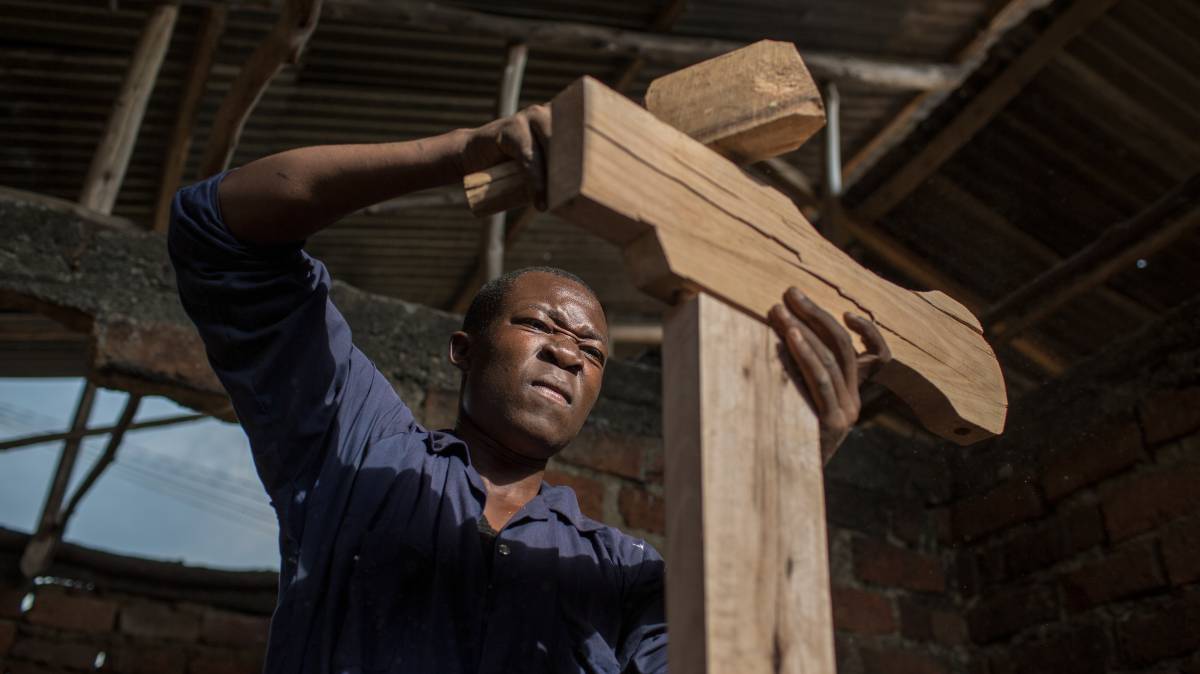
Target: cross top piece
[(688, 219)]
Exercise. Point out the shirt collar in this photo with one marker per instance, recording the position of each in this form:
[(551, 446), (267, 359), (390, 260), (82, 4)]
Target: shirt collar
[(561, 500), (551, 498)]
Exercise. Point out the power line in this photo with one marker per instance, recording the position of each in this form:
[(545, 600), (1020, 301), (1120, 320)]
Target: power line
[(210, 494)]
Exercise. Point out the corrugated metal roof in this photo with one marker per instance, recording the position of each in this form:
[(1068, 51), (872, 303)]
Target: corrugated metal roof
[(1108, 126)]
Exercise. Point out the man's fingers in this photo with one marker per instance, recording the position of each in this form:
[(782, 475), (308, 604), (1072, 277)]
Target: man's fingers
[(817, 364), (832, 334), (878, 353)]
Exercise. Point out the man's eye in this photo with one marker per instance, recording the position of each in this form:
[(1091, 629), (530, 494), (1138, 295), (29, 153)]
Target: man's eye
[(536, 324), (594, 353)]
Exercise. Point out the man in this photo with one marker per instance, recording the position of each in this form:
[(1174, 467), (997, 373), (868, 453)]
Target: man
[(410, 550)]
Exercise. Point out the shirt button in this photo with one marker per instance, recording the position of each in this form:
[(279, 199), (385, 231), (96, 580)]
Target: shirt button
[(503, 548)]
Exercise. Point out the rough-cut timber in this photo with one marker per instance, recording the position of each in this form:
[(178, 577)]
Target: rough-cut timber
[(748, 105), (107, 170), (688, 218), (203, 54), (105, 276), (747, 563), (284, 44)]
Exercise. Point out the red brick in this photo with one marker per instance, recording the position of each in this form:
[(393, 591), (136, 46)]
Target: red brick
[(1149, 500), (1083, 650), (225, 663), (883, 564), (1181, 552), (141, 659), (966, 574), (1170, 414), (610, 453), (862, 612), (1060, 537), (919, 622), (654, 464), (1011, 610), (10, 602), (1165, 632), (54, 608), (57, 652), (588, 491), (233, 629), (910, 523), (642, 510), (898, 661), (8, 634), (948, 627), (852, 507), (1099, 454), (916, 620), (158, 621), (1125, 573), (990, 563), (1005, 505)]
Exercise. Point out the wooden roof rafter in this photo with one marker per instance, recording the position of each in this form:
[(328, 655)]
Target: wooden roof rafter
[(665, 49)]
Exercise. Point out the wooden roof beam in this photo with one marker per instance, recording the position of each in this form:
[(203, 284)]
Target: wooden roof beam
[(982, 108), (212, 25), (284, 44), (665, 19), (108, 166), (657, 48), (969, 57), (983, 216), (1116, 250)]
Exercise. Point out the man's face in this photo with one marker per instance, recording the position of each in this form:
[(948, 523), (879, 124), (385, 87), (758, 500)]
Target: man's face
[(534, 374)]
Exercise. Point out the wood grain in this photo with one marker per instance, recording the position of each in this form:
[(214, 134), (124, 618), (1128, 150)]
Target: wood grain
[(621, 173), (748, 105), (747, 558)]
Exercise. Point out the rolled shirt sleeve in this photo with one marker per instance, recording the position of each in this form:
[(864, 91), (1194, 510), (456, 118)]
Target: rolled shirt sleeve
[(277, 343)]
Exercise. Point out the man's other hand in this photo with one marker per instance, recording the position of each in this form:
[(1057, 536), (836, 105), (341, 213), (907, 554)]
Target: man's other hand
[(825, 356), (523, 137)]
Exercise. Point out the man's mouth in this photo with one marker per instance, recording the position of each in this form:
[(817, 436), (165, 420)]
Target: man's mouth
[(555, 392)]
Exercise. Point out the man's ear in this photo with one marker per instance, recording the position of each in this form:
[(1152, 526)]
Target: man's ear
[(460, 350)]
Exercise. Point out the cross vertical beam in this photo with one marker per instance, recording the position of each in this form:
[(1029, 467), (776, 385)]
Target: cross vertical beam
[(747, 559)]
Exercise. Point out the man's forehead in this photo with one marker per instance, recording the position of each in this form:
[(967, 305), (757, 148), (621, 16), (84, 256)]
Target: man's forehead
[(556, 292)]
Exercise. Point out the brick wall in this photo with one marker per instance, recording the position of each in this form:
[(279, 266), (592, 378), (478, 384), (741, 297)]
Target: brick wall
[(76, 629), (1079, 529), (1086, 556)]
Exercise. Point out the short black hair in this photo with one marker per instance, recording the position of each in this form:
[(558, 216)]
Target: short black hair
[(486, 306)]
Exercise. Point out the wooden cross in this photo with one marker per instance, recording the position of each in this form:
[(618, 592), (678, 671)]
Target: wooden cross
[(747, 562)]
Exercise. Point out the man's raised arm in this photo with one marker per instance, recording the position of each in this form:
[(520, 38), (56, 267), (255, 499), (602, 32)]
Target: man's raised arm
[(307, 399), (290, 195)]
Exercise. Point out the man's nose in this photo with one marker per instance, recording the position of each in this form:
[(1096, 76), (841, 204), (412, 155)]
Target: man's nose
[(564, 352)]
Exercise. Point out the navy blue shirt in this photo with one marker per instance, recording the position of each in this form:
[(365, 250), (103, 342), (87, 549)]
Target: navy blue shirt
[(382, 567)]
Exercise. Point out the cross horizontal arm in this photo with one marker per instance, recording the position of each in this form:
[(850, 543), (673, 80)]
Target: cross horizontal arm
[(689, 219)]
